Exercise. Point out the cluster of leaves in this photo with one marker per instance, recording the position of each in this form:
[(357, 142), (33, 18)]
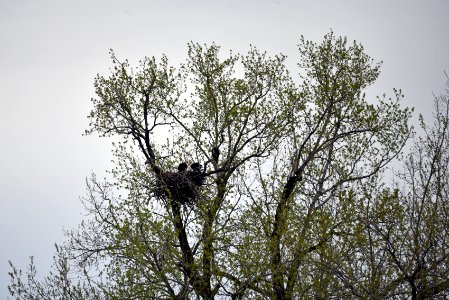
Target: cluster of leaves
[(293, 208)]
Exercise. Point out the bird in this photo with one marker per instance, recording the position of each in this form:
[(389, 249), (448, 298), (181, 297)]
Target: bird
[(182, 167), (215, 154)]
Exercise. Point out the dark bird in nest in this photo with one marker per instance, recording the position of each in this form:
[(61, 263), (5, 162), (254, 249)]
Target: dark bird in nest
[(195, 175), (182, 167)]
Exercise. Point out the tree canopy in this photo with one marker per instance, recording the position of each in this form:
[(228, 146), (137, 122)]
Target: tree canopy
[(286, 196)]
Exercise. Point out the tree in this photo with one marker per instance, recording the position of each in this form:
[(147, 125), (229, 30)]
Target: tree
[(399, 241), (418, 246), (57, 285), (291, 157)]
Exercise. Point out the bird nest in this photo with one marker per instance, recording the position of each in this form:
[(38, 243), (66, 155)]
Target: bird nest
[(182, 186)]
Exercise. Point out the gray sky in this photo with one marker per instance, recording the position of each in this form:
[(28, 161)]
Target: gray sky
[(50, 52)]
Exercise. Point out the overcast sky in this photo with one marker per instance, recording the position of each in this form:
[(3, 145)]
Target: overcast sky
[(50, 52)]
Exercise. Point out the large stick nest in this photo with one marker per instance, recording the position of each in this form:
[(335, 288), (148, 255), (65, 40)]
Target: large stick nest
[(182, 186)]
